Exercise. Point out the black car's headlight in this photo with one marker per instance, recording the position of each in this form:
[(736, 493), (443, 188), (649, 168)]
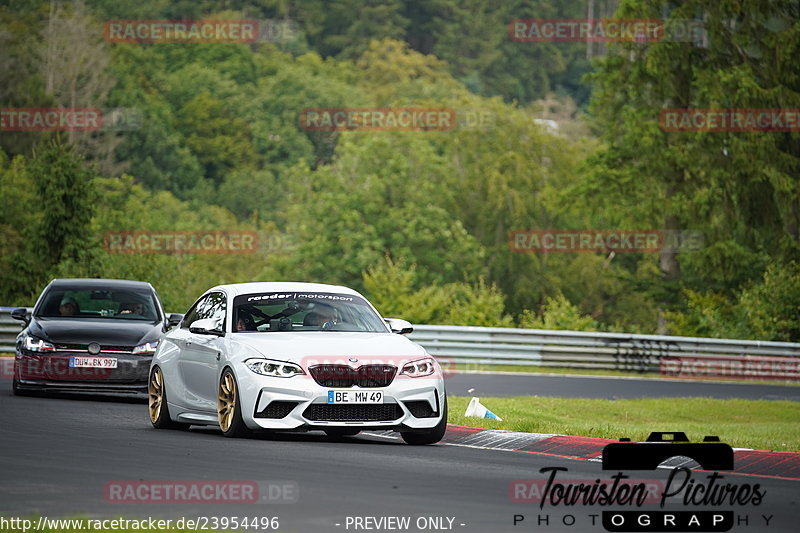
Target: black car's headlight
[(272, 368), (419, 368), (146, 348), (34, 344)]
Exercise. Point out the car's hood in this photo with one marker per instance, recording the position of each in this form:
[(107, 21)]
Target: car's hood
[(106, 332), (319, 346)]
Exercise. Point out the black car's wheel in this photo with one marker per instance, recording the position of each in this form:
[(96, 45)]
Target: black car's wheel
[(431, 436), (157, 402), (229, 407), (336, 434)]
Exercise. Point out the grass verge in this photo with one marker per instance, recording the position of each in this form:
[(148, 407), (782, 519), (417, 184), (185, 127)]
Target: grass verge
[(758, 424)]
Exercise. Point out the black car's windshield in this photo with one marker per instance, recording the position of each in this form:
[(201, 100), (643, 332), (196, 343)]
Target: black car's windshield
[(121, 304), (304, 311)]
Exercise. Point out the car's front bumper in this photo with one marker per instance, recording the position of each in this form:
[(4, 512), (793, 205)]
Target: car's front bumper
[(64, 386), (53, 371), (299, 403)]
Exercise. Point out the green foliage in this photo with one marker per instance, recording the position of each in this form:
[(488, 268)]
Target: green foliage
[(63, 183), (45, 213), (558, 313), (20, 268), (379, 197), (741, 188), (396, 292), (758, 424), (179, 278), (772, 307), (420, 220), (769, 309)]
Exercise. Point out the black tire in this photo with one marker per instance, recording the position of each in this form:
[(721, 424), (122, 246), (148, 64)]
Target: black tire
[(431, 436), (159, 414), (230, 422), (338, 434)]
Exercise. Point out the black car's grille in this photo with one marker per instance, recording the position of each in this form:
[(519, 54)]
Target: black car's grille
[(85, 347), (277, 409), (378, 412), (420, 409), (343, 376)]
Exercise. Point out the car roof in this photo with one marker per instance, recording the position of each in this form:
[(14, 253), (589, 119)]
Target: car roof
[(235, 289), (100, 283)]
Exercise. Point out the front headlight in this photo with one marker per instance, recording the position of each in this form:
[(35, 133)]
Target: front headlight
[(272, 368), (419, 368), (33, 344), (146, 348)]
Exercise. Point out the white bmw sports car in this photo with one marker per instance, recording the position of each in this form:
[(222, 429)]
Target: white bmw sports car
[(295, 356)]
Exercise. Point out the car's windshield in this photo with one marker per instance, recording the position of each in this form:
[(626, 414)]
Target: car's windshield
[(122, 304), (304, 311)]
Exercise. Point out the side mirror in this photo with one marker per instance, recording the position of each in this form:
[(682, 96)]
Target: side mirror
[(174, 319), (20, 313), (399, 326), (206, 326)]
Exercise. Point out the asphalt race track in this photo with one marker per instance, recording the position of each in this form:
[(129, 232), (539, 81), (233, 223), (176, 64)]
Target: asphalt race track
[(57, 455), (561, 386)]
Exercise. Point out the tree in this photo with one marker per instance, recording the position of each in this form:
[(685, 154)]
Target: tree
[(74, 62), (64, 185), (382, 195), (21, 268), (741, 188), (396, 292), (558, 313), (47, 205)]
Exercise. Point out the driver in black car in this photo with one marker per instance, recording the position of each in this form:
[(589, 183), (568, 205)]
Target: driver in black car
[(131, 309), (68, 307)]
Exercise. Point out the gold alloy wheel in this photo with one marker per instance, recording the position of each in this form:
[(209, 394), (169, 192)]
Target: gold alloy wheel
[(156, 390), (226, 401)]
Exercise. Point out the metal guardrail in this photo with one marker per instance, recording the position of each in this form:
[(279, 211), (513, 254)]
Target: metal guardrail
[(477, 347), (668, 355), (9, 329)]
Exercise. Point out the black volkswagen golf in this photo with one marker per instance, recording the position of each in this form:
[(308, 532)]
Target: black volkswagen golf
[(90, 335)]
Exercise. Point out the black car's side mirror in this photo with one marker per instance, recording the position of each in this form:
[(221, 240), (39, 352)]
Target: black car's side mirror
[(20, 313), (174, 319)]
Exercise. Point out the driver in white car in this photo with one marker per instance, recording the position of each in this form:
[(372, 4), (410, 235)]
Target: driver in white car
[(323, 316)]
